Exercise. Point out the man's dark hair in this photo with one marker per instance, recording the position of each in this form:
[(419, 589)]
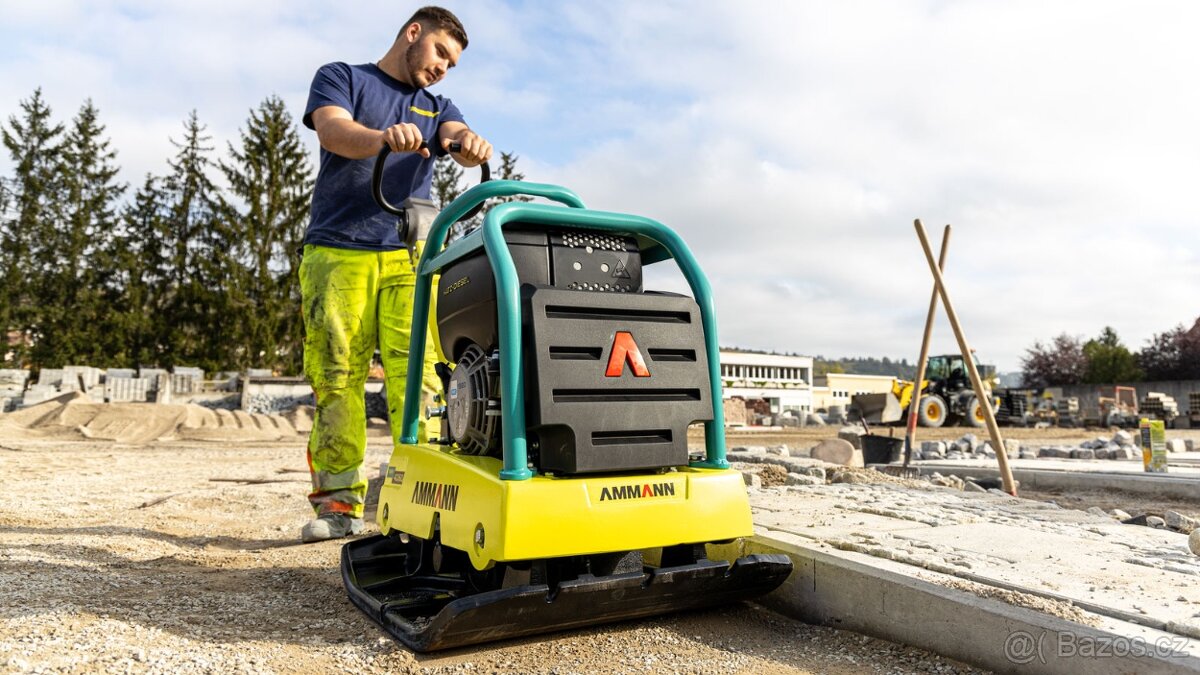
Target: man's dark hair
[(435, 18)]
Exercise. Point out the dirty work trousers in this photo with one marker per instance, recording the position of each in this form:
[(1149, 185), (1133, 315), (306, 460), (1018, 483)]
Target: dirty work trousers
[(353, 300)]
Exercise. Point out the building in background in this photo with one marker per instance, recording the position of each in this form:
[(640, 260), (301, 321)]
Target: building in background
[(837, 388), (772, 385)]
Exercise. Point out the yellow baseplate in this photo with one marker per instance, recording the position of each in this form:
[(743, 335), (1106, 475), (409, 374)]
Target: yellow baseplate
[(497, 520)]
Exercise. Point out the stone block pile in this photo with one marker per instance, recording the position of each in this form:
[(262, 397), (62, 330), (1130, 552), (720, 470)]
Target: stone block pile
[(1159, 405), (12, 386), (115, 385), (1121, 445), (967, 447)]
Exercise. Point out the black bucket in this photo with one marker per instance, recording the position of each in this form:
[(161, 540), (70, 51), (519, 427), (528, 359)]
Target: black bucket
[(881, 449)]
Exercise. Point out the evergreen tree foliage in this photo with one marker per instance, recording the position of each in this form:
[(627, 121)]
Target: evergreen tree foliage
[(70, 293), (1109, 361), (865, 365), (196, 238), (34, 142), (447, 179), (271, 182), (138, 289), (508, 171)]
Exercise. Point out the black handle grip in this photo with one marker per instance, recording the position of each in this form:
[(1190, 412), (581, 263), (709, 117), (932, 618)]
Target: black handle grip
[(485, 174)]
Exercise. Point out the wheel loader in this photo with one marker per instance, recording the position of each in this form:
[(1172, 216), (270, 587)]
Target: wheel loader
[(561, 491), (946, 396)]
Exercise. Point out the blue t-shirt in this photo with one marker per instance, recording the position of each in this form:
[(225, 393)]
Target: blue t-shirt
[(344, 215)]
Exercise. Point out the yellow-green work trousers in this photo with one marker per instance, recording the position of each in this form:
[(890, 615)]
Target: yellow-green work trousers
[(353, 300)]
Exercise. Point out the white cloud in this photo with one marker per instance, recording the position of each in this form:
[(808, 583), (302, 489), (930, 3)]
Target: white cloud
[(792, 144)]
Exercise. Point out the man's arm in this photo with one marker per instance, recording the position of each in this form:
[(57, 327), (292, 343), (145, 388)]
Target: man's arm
[(340, 134), (475, 150)]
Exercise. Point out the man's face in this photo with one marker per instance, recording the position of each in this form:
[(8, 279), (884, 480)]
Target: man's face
[(430, 57)]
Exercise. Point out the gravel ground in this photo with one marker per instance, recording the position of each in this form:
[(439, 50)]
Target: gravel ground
[(183, 557)]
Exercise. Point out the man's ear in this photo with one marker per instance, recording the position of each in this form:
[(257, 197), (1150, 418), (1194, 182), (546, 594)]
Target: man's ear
[(412, 32)]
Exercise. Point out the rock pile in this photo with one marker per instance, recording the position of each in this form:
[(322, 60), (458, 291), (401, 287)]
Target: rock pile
[(970, 447), (1121, 445)]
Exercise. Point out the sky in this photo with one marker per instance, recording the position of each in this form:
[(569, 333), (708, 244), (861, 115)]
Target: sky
[(791, 144)]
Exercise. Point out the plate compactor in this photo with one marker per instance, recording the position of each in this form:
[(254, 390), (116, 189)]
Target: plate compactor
[(560, 493)]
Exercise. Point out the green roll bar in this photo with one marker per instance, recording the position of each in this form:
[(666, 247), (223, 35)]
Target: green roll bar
[(508, 298)]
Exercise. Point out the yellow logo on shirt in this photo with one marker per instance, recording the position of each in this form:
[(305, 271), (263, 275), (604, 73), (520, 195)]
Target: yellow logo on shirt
[(426, 113)]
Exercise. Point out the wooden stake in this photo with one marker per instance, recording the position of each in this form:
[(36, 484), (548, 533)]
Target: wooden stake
[(910, 438), (976, 383)]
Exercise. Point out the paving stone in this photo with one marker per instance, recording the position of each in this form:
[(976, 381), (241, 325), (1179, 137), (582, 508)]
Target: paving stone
[(1156, 522), (1053, 452), (1176, 445), (781, 450), (1123, 438), (938, 447), (1123, 452), (972, 486), (1189, 444), (1083, 453), (1194, 542), (1179, 522), (852, 434), (14, 377), (802, 479), (752, 479), (1119, 514), (1097, 511)]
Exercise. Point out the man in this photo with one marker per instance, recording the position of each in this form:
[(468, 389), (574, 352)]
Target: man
[(356, 278)]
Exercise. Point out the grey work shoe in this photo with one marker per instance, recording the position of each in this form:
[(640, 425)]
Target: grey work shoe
[(330, 526)]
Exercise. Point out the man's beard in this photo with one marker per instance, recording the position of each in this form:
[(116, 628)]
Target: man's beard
[(412, 63)]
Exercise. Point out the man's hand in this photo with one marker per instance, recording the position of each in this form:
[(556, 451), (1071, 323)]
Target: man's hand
[(405, 137), (475, 149)]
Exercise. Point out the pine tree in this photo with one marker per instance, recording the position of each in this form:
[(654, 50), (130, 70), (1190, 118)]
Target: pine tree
[(271, 178), (71, 299), (138, 289), (508, 171), (447, 176), (196, 237), (34, 142), (1109, 361)]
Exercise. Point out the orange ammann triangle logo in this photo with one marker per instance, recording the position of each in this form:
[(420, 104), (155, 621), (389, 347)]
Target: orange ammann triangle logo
[(625, 349)]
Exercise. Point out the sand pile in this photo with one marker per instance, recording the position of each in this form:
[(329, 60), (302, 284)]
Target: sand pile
[(75, 416)]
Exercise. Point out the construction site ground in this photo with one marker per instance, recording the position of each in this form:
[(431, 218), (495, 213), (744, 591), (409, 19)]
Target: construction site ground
[(182, 555)]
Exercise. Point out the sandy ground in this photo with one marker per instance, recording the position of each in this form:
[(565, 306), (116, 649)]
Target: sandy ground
[(183, 556)]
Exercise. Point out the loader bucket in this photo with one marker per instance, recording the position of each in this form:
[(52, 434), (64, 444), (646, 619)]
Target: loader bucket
[(877, 408)]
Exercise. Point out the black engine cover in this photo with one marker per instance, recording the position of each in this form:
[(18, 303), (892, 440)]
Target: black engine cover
[(571, 259), (613, 376), (588, 408)]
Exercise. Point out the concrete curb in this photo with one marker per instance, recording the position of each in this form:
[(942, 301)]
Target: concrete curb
[(851, 591), (1161, 485)]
